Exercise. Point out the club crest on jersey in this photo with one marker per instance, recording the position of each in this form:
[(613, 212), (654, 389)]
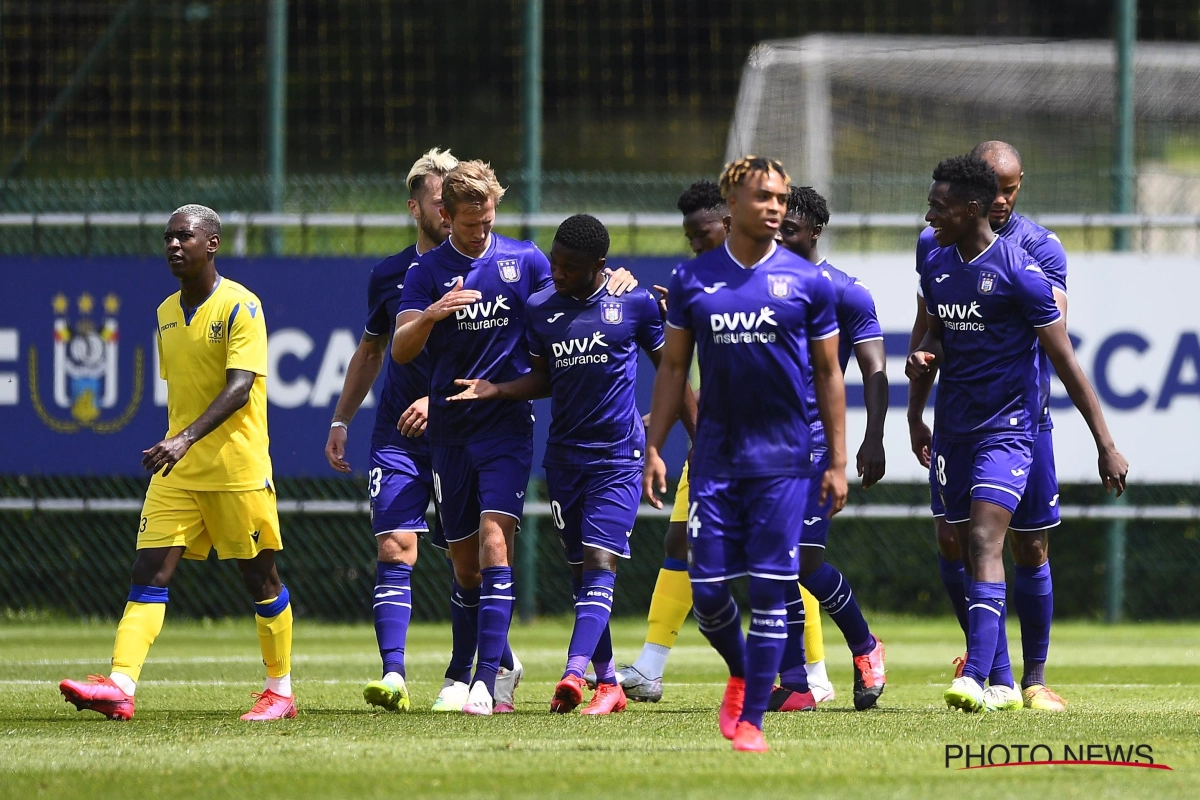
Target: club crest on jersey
[(510, 270), (85, 376), (611, 312), (779, 285), (987, 282), (215, 331)]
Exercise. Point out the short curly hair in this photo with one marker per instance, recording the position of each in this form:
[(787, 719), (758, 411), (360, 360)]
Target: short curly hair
[(970, 178), (208, 219), (736, 172), (701, 196), (584, 234), (807, 203)]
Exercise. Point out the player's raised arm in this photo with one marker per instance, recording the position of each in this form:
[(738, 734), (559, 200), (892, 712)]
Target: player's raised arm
[(361, 373), (670, 382), (414, 326), (1112, 465), (235, 394)]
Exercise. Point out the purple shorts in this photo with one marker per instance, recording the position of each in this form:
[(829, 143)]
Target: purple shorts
[(488, 476), (815, 530), (994, 469), (400, 485), (744, 526), (595, 508), (1038, 509)]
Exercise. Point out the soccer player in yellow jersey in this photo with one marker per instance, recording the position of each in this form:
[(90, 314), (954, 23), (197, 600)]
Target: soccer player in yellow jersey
[(211, 484), (704, 225)]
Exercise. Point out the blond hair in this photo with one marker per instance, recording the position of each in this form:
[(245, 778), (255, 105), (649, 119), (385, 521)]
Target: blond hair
[(433, 162), (736, 172), (471, 183)]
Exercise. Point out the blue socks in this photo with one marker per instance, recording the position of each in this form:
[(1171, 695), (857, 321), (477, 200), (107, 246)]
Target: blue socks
[(835, 596), (792, 673), (952, 578), (985, 612), (764, 645), (496, 600), (1001, 673), (1033, 595), (593, 607), (464, 619), (717, 617), (393, 612)]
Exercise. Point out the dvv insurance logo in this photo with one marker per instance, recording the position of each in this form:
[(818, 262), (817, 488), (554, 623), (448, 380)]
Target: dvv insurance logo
[(988, 756)]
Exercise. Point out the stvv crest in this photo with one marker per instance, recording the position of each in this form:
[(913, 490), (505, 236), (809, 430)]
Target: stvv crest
[(86, 368)]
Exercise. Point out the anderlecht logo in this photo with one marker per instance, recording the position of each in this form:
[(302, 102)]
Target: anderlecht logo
[(612, 312), (510, 270), (780, 285), (987, 282)]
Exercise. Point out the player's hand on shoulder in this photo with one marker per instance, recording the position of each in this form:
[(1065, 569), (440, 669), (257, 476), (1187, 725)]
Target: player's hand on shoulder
[(919, 364), (834, 490), (921, 439), (654, 478), (620, 281), (871, 461), (1113, 470), (453, 300), (335, 449), (166, 454), (475, 389), (414, 419), (663, 292)]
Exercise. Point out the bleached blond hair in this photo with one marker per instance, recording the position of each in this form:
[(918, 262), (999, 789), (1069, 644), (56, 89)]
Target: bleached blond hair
[(471, 183), (208, 219), (433, 162)]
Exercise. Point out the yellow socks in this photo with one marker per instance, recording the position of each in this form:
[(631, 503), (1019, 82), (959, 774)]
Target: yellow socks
[(139, 627), (814, 640), (274, 621), (669, 605)]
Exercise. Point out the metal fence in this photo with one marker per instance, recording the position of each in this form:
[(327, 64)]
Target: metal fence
[(67, 546)]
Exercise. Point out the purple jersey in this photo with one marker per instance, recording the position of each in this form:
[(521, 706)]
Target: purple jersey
[(857, 323), (402, 383), (1048, 251), (591, 347), (752, 328), (484, 340), (989, 308)]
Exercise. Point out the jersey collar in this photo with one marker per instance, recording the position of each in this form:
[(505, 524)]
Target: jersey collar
[(992, 243), (761, 261), (189, 313), (487, 249)]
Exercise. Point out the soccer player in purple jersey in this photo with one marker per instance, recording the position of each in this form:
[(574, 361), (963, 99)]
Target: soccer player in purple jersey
[(465, 302), (807, 216), (1038, 511), (988, 304), (760, 318), (400, 478), (583, 347)]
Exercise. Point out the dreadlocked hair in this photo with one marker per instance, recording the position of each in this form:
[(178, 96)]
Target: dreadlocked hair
[(736, 172), (805, 202), (701, 196)]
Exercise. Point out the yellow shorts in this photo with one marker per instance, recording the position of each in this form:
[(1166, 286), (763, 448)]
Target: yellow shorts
[(679, 512), (238, 524)]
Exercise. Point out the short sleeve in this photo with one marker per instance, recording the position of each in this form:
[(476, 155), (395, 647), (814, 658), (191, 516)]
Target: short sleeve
[(533, 341), (247, 328), (856, 315), (822, 308), (539, 270), (1034, 295), (649, 330), (379, 322), (926, 244), (162, 362), (1052, 257), (418, 293), (677, 311)]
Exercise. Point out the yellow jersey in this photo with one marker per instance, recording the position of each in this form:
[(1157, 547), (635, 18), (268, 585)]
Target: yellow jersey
[(196, 346)]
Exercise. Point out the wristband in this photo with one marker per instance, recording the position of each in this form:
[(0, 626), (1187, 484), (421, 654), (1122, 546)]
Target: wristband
[(337, 423)]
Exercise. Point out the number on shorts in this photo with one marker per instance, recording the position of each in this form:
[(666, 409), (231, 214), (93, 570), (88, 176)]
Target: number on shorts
[(374, 479), (941, 470), (437, 488), (693, 522), (142, 527), (556, 515)]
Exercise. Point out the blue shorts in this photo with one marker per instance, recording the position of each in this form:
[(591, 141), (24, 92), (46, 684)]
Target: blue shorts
[(815, 530), (488, 476), (1038, 509), (400, 486), (994, 469), (744, 526), (596, 508)]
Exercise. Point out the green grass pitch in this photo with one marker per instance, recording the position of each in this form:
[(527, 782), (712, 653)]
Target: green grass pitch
[(1128, 684)]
